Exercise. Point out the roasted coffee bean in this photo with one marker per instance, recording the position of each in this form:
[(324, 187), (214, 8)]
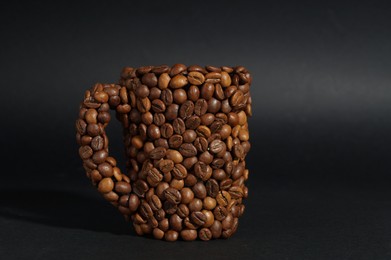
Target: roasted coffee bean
[(192, 122), (93, 129), (206, 157), (172, 195), (199, 190), (238, 151), (200, 107), (237, 98), (207, 91), (197, 68), (176, 222), (149, 79), (212, 188), (167, 97), (146, 210), (223, 198), (161, 69), (219, 92), (105, 169), (196, 78), (189, 136), (225, 79), (174, 156), (158, 233), (154, 176), (170, 208), (203, 131), (216, 126), (217, 163), (171, 112), (175, 141), (188, 234), (159, 119), (100, 156), (193, 93), (155, 203), (177, 69), (178, 81), (182, 210), (188, 150), (216, 229), (85, 152), (158, 106), (189, 162), (205, 234), (166, 130), (186, 109), (201, 144), (214, 105), (187, 195), (164, 80), (166, 165), (202, 171), (179, 171), (105, 185), (235, 192), (209, 203), (207, 119), (216, 146), (142, 91), (180, 96), (140, 187), (154, 93), (198, 218), (220, 213), (171, 235), (157, 153), (179, 126)]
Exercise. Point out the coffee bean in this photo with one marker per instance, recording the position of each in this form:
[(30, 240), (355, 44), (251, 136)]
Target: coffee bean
[(100, 156), (195, 205), (177, 68), (199, 190), (214, 105), (85, 152), (157, 153), (216, 146), (200, 107), (189, 162), (225, 184), (105, 169), (193, 122), (171, 235), (186, 109), (160, 69), (142, 91), (197, 68), (174, 155), (159, 119), (180, 96), (207, 119), (175, 141), (189, 136), (238, 151), (167, 97), (209, 203), (140, 187), (196, 78), (235, 192), (225, 79), (220, 213), (106, 185), (212, 188), (158, 106), (188, 150), (201, 144), (183, 210), (203, 131), (166, 130), (193, 93), (171, 112), (179, 126), (198, 218), (178, 81), (155, 203), (207, 91), (206, 157), (164, 80), (189, 234), (217, 163), (205, 234), (146, 210), (154, 176), (223, 198), (237, 98), (187, 195), (179, 171), (93, 129), (202, 171), (81, 126), (149, 79), (172, 195), (166, 165), (176, 222)]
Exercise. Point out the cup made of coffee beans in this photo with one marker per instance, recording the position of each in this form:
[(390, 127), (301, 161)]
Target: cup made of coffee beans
[(185, 130)]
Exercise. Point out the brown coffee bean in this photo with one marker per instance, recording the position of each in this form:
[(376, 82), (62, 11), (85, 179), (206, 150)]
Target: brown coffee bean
[(178, 81), (101, 97), (225, 184), (193, 93), (237, 98), (182, 210), (142, 91), (216, 229), (225, 79), (154, 93), (179, 96), (158, 153), (220, 213), (161, 69), (159, 119), (176, 222), (205, 234), (188, 150), (179, 171), (187, 195), (155, 203), (217, 164), (195, 205), (189, 162), (206, 157), (105, 185), (171, 112), (140, 187), (177, 68), (235, 192), (189, 136), (158, 233), (238, 151), (186, 109), (197, 68), (198, 218), (189, 234), (171, 235), (166, 130), (91, 116), (154, 176), (179, 126), (166, 165), (99, 156), (202, 171), (105, 169), (81, 126), (167, 97), (196, 78), (200, 107), (122, 187), (193, 122), (203, 131), (209, 218), (149, 79), (85, 152), (143, 70), (207, 91), (93, 130), (212, 188), (199, 190), (207, 119), (175, 141), (214, 105), (174, 156), (172, 195), (216, 146), (201, 144), (164, 80), (223, 198), (158, 106), (209, 203)]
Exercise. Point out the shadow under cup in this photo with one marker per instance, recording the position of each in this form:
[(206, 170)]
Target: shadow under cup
[(186, 137)]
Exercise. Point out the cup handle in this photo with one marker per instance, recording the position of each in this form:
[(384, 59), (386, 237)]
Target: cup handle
[(93, 118)]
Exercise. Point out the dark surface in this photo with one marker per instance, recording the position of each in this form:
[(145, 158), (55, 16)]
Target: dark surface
[(319, 165)]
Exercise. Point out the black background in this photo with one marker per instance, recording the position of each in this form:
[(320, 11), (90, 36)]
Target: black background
[(319, 164)]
